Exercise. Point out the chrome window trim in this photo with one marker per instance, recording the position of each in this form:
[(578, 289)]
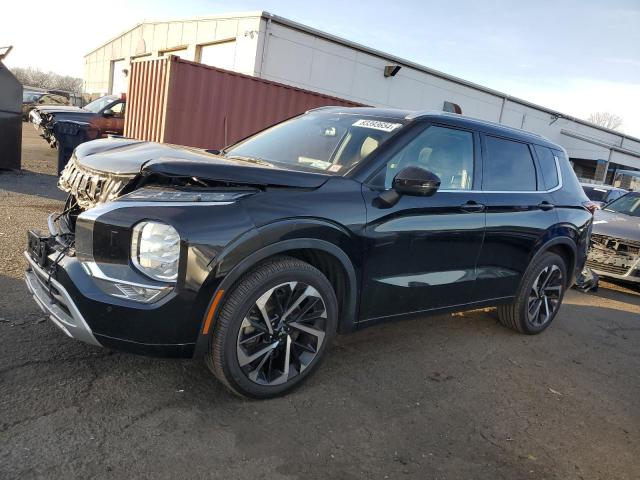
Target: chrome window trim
[(557, 187)]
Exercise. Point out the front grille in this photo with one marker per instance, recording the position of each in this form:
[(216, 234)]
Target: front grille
[(91, 188), (604, 267), (612, 255), (616, 245)]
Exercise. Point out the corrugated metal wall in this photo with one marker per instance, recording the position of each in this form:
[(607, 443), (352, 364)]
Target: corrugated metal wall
[(146, 100), (186, 103)]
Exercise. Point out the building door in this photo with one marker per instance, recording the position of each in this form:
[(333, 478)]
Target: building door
[(119, 80)]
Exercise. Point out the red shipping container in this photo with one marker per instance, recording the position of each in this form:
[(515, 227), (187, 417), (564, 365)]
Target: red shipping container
[(175, 101)]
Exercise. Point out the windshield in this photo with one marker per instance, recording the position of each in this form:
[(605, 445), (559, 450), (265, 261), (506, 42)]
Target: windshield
[(31, 96), (99, 104), (318, 141), (629, 205)]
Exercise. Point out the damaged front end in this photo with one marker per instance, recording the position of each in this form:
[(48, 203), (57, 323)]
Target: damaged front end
[(89, 187), (43, 123), (615, 257), (86, 189)]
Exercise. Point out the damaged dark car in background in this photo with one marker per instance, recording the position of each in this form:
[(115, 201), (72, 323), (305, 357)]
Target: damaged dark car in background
[(615, 242), (256, 256), (66, 127)]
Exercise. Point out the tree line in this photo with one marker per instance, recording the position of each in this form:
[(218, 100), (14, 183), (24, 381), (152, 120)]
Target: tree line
[(34, 77)]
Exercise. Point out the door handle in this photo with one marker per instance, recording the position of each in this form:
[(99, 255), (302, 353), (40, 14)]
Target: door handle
[(472, 207), (546, 206)]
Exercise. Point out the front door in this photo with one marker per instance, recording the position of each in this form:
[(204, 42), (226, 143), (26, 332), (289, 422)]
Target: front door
[(115, 122), (421, 253)]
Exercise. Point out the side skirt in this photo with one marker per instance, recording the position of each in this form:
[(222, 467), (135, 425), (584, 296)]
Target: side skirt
[(492, 302)]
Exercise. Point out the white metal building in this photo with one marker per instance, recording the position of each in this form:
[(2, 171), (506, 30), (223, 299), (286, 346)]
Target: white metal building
[(274, 48)]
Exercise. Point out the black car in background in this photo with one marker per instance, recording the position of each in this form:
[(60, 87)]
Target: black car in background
[(106, 115), (600, 195), (615, 243), (256, 256)]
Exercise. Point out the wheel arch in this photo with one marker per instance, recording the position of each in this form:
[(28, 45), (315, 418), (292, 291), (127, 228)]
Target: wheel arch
[(566, 248), (327, 255)]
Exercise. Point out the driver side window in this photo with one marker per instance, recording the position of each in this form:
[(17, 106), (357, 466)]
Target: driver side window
[(447, 152), (118, 109)]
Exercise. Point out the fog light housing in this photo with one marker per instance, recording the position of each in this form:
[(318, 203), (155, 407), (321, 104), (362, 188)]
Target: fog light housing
[(136, 293), (155, 250)]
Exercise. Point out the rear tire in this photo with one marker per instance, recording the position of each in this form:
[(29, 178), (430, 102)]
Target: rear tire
[(539, 297), (273, 329)]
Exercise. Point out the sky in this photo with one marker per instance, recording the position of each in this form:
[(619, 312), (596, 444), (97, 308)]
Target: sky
[(576, 57)]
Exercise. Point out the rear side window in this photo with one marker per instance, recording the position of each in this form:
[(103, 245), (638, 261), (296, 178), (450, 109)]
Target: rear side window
[(548, 167), (507, 166), (596, 194)]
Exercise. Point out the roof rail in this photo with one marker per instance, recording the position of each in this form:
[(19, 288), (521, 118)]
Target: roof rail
[(424, 113), (326, 107)]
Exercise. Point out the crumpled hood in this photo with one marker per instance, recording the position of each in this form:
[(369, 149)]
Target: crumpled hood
[(617, 225), (124, 156), (62, 108)]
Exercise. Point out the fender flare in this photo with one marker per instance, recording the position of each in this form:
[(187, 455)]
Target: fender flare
[(348, 314), (566, 242)]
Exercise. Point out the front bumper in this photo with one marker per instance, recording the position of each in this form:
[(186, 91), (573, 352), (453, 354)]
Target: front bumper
[(628, 277), (55, 301)]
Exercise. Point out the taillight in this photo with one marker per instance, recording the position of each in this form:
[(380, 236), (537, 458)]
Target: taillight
[(591, 206)]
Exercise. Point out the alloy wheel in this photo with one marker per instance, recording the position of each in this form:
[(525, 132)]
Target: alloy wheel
[(282, 333), (545, 295)]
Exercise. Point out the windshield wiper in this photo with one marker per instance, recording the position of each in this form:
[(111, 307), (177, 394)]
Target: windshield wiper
[(256, 160)]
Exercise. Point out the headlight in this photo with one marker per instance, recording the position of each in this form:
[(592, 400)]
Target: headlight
[(155, 250)]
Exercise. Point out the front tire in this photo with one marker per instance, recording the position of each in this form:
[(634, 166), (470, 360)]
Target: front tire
[(273, 329), (539, 297)]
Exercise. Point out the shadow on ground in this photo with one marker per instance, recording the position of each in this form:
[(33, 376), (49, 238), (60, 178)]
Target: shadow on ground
[(447, 397), (26, 182)]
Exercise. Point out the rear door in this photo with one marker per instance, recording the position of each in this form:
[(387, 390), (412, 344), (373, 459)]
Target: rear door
[(520, 214)]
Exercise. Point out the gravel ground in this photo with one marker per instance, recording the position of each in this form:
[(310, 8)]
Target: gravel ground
[(445, 397)]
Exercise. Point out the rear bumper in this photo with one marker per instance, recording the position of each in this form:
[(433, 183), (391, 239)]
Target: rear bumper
[(57, 303)]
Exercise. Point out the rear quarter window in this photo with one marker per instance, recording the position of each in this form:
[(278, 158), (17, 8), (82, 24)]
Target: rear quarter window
[(548, 167)]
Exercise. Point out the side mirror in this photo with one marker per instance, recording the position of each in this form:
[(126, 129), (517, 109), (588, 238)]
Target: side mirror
[(416, 181), (413, 181), (108, 113)]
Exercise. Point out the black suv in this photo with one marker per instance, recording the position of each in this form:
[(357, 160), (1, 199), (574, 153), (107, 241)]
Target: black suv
[(255, 256)]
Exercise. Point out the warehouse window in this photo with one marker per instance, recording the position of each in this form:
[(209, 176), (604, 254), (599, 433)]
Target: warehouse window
[(178, 52), (507, 166), (221, 54)]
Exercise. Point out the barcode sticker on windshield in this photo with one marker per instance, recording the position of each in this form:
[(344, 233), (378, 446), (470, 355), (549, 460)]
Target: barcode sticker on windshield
[(377, 125)]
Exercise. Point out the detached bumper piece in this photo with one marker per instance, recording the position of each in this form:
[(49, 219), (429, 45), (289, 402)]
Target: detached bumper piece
[(56, 302)]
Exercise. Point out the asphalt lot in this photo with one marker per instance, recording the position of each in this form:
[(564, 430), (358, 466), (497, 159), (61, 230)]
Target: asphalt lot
[(445, 397)]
